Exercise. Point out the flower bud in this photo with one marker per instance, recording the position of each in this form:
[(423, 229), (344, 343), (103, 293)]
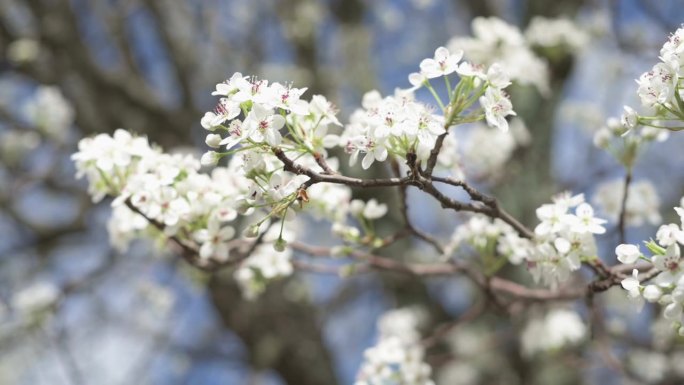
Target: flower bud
[(280, 244), (602, 138), (213, 140), (210, 158), (652, 293), (251, 231)]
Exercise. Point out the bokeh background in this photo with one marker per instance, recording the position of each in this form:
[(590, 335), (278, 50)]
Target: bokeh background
[(143, 316)]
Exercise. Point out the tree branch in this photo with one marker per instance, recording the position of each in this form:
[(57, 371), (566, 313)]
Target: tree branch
[(314, 177), (623, 206)]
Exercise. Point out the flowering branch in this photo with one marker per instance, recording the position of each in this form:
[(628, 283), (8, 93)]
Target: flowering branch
[(278, 168)]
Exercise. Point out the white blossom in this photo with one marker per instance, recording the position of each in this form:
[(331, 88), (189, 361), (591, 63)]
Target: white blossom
[(497, 106), (550, 32), (627, 254), (443, 64), (213, 240), (495, 41), (397, 358), (557, 329), (642, 204)]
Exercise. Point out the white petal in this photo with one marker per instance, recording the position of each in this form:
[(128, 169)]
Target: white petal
[(367, 161)]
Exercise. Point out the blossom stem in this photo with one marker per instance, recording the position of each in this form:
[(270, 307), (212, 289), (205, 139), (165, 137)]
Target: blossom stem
[(448, 86), (435, 95)]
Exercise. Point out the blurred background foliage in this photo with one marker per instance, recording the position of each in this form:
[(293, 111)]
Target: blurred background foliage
[(149, 66)]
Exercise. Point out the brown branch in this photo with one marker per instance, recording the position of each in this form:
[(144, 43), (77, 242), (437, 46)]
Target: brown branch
[(471, 191), (490, 206), (649, 275), (403, 199), (495, 284), (317, 268), (371, 261), (314, 177), (626, 269), (494, 211), (599, 268), (240, 249), (189, 252), (320, 160), (383, 263), (434, 153), (482, 204), (623, 206)]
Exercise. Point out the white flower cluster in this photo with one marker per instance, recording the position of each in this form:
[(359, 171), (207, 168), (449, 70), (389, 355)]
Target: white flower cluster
[(262, 266), (467, 345), (490, 236), (496, 41), (34, 299), (642, 204), (267, 108), (23, 50), (275, 117), (659, 87), (50, 112), (30, 306), (476, 80), (563, 239), (202, 210), (398, 125), (652, 367), (403, 323), (364, 214), (15, 144), (166, 188), (485, 152), (394, 124), (622, 137), (549, 33), (667, 287), (198, 209), (397, 358), (49, 115), (555, 330), (659, 91), (107, 161)]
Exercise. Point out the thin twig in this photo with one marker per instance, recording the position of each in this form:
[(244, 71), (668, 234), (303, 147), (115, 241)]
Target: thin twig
[(434, 153), (320, 160), (314, 177), (623, 206), (403, 199), (495, 284)]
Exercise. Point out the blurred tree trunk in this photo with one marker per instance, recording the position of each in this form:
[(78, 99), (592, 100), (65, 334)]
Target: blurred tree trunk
[(280, 332), (530, 176)]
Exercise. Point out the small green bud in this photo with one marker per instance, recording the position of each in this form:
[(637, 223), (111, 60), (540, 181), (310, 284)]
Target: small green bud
[(279, 245), (655, 248), (252, 231)]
